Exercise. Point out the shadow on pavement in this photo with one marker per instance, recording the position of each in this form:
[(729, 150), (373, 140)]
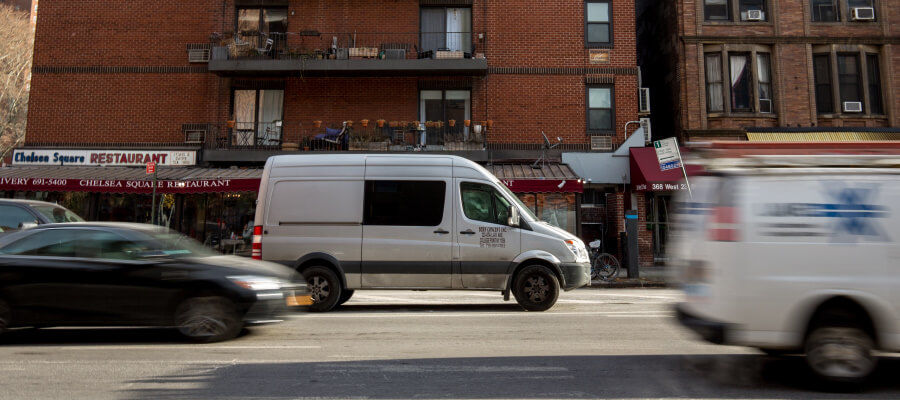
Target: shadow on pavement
[(444, 307), (646, 376), (94, 336)]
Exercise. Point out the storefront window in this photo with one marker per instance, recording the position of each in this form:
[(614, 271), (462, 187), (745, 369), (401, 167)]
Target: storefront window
[(658, 223), (557, 209)]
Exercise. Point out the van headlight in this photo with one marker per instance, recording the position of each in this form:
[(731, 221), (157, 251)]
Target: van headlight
[(577, 248), (257, 283)]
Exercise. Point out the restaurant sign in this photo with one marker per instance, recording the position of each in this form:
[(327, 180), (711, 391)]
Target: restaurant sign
[(130, 185), (118, 158)]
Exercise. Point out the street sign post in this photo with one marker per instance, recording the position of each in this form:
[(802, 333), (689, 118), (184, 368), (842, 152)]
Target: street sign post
[(669, 157), (151, 169)]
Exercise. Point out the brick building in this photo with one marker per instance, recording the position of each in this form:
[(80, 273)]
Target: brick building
[(240, 80)]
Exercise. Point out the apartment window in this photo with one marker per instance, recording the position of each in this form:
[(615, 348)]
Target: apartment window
[(597, 23), (822, 77), (257, 117), (824, 10), (405, 203), (260, 24), (600, 117), (445, 28), (716, 10), (845, 75), (714, 89), (851, 4), (742, 76), (752, 10), (874, 78)]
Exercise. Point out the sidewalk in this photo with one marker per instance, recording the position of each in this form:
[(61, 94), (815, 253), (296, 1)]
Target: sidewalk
[(650, 277)]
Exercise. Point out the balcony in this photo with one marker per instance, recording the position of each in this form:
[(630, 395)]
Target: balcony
[(251, 142), (347, 54)]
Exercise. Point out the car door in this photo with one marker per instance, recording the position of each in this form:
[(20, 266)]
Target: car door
[(485, 243), (406, 232)]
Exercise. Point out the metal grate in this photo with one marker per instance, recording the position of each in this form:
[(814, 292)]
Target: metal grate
[(195, 133), (601, 142)]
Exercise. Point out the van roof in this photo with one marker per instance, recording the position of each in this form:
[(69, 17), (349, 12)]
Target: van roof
[(296, 160)]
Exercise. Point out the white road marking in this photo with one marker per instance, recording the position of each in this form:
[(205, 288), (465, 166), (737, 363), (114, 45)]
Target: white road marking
[(176, 347), (389, 314)]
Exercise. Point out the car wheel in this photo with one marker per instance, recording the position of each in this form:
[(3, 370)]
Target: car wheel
[(324, 287), (346, 294), (536, 288), (5, 316), (208, 319), (840, 356)]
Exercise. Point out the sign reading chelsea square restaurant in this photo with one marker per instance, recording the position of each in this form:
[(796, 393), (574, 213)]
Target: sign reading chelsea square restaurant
[(118, 158)]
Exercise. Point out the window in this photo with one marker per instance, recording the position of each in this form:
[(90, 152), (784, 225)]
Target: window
[(874, 77), (600, 109), (260, 24), (13, 216), (749, 86), (748, 8), (824, 10), (407, 203), (851, 4), (51, 242), (57, 214), (446, 28), (716, 10), (257, 116), (843, 75), (597, 23), (822, 77), (714, 87), (482, 203)]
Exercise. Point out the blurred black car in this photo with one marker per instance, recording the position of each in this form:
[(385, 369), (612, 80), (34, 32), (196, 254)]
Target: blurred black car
[(88, 274), (16, 214)]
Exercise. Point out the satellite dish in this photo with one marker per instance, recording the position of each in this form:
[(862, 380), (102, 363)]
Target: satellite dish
[(547, 146)]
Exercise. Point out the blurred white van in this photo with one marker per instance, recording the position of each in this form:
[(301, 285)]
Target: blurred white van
[(358, 221), (794, 255)]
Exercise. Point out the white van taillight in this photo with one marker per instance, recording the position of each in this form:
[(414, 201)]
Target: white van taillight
[(723, 226), (256, 247)]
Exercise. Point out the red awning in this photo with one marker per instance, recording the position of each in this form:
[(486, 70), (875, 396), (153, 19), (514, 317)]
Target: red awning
[(646, 175), (549, 177), (128, 180)]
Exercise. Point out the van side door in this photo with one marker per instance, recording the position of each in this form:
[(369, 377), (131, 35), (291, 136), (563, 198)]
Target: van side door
[(485, 242), (407, 240)]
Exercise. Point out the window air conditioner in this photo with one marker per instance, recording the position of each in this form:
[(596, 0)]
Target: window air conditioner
[(853, 106), (862, 14), (194, 133), (198, 55), (645, 124), (765, 105), (755, 15), (601, 142), (644, 106)]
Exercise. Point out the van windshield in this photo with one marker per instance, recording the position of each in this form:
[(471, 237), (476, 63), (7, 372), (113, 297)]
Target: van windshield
[(523, 209)]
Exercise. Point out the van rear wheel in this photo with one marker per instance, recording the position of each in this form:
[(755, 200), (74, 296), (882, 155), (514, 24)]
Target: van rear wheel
[(536, 288), (840, 355), (324, 287)]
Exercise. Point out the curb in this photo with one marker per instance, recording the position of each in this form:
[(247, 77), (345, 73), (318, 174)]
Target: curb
[(627, 283)]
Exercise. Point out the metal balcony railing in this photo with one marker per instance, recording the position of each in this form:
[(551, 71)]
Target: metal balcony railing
[(336, 136), (315, 45)]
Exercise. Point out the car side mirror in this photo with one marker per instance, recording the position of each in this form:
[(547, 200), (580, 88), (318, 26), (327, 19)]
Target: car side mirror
[(27, 225), (513, 219)]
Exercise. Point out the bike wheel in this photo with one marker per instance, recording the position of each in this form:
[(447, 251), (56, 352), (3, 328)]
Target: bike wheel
[(606, 267)]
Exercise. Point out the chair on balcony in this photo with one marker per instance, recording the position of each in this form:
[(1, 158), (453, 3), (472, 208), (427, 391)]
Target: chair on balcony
[(271, 136), (332, 139), (267, 48)]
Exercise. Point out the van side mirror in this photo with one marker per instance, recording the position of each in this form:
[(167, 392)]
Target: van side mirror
[(513, 219)]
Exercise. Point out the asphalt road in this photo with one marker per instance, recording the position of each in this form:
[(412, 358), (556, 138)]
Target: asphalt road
[(595, 343)]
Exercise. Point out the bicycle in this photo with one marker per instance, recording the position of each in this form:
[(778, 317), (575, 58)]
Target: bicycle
[(604, 266)]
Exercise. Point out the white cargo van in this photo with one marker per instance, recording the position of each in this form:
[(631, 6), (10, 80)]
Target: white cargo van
[(357, 221), (794, 255)]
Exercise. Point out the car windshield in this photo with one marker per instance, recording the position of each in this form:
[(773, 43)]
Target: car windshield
[(57, 214), (171, 243)]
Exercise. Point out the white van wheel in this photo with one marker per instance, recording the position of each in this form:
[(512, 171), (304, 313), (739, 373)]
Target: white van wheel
[(536, 288), (324, 287), (840, 355)]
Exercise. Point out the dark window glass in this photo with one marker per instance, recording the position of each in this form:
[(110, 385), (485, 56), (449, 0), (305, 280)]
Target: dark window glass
[(597, 22), (445, 28), (716, 10), (483, 203), (848, 77), (851, 4), (53, 242), (824, 10), (874, 76), (600, 108), (765, 82), (13, 216), (740, 82), (714, 82), (822, 75), (408, 203), (745, 6)]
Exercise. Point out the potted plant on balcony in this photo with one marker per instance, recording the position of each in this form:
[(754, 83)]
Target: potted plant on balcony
[(451, 123), (317, 123), (380, 123)]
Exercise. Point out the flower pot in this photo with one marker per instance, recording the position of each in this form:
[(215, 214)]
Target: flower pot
[(230, 123), (364, 123), (380, 123), (451, 123), (317, 123), (468, 122), (349, 124), (393, 124), (490, 124)]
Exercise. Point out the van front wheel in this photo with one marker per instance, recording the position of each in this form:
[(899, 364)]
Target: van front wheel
[(324, 287), (536, 288)]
